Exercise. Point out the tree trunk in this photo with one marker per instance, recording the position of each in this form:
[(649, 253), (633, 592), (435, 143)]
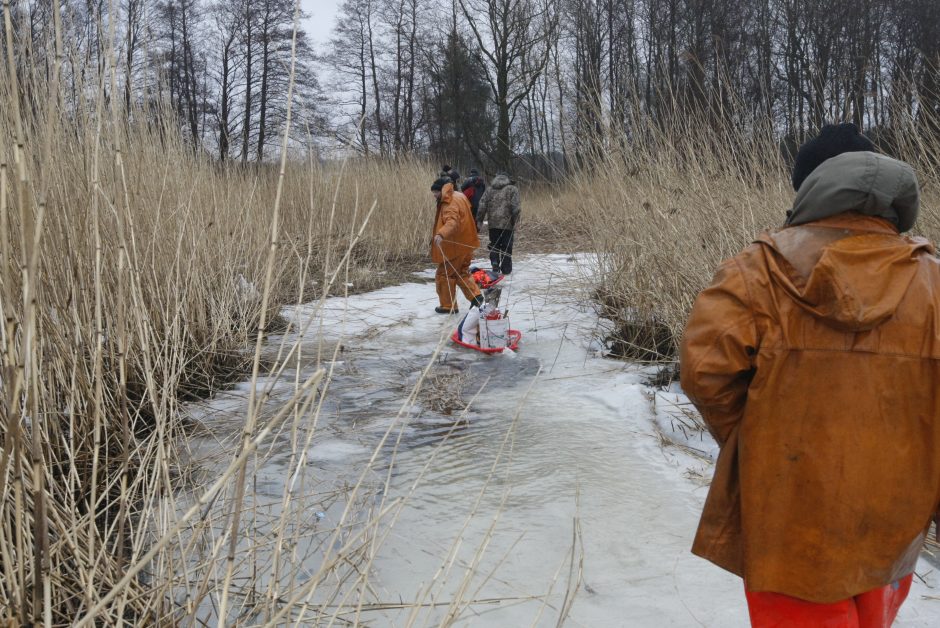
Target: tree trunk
[(249, 52), (375, 82), (265, 74)]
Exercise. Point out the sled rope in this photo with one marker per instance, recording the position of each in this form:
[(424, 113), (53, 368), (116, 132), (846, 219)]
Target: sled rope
[(453, 297)]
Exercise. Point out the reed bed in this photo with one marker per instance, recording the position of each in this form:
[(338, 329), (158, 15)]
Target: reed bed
[(137, 274), (663, 210)]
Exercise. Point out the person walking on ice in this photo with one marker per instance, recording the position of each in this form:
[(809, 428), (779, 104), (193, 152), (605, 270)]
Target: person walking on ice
[(473, 188), (501, 205), (814, 359), (453, 242)]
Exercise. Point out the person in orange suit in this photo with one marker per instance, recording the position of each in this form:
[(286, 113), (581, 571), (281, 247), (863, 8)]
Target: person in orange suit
[(813, 358), (453, 242)]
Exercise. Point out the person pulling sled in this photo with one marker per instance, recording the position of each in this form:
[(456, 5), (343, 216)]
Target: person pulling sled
[(453, 241)]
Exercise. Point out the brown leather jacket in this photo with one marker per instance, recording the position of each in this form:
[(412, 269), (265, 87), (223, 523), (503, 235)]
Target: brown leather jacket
[(814, 358), (454, 222)]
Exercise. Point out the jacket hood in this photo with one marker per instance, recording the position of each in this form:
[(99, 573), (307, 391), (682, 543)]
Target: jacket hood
[(851, 271), (500, 181), (863, 182), (447, 192)]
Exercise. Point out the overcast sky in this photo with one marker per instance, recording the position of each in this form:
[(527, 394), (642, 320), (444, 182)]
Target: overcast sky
[(322, 17)]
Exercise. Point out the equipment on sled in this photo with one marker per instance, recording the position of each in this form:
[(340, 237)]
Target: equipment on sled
[(486, 329), (486, 279), (488, 282)]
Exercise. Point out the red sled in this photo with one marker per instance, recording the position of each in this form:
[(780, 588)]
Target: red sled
[(514, 337)]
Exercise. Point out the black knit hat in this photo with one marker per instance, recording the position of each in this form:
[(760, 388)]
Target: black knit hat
[(474, 172), (833, 139), (454, 175), (440, 183)]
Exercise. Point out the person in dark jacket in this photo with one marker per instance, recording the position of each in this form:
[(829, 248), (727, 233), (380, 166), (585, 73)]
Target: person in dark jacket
[(452, 174), (501, 205), (473, 188), (812, 358)]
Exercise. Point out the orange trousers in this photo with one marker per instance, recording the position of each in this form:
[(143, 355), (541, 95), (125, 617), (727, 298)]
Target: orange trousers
[(452, 274), (872, 609)]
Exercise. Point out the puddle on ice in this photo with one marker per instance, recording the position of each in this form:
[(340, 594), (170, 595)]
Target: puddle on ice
[(337, 451), (554, 477)]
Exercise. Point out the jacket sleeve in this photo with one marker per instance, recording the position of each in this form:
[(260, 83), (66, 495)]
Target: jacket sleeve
[(450, 221), (482, 208), (717, 352), (515, 206)]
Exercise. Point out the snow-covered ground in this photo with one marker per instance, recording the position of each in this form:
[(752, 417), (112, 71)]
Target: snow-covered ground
[(557, 478)]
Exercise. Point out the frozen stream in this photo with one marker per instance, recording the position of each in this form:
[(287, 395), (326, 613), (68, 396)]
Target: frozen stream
[(554, 480)]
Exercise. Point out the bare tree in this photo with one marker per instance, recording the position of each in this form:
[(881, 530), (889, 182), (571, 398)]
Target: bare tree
[(275, 27), (248, 43), (350, 59), (514, 41), (590, 29), (228, 25), (185, 64), (402, 19), (134, 24)]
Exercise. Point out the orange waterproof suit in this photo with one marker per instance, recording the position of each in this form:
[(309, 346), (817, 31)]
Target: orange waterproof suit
[(814, 358), (454, 223)]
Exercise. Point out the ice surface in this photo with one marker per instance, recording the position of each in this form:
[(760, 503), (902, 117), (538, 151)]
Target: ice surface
[(561, 453), (337, 451)]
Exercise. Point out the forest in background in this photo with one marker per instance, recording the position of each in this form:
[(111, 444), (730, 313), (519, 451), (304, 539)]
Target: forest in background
[(537, 86)]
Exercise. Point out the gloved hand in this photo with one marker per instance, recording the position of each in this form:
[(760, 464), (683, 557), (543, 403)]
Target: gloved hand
[(438, 239)]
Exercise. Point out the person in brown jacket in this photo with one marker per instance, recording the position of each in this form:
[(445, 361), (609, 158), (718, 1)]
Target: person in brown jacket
[(814, 359), (453, 242)]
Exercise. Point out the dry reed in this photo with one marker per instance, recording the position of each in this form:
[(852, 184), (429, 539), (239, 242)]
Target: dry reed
[(664, 209), (134, 272)]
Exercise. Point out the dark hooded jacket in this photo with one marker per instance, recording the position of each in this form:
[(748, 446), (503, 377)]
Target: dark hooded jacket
[(864, 182), (473, 188), (814, 358)]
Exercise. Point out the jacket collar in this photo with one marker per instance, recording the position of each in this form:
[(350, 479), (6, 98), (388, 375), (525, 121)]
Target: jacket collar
[(854, 221)]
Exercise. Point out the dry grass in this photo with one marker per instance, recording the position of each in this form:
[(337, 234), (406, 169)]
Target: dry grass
[(134, 273), (665, 211), (443, 391)]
